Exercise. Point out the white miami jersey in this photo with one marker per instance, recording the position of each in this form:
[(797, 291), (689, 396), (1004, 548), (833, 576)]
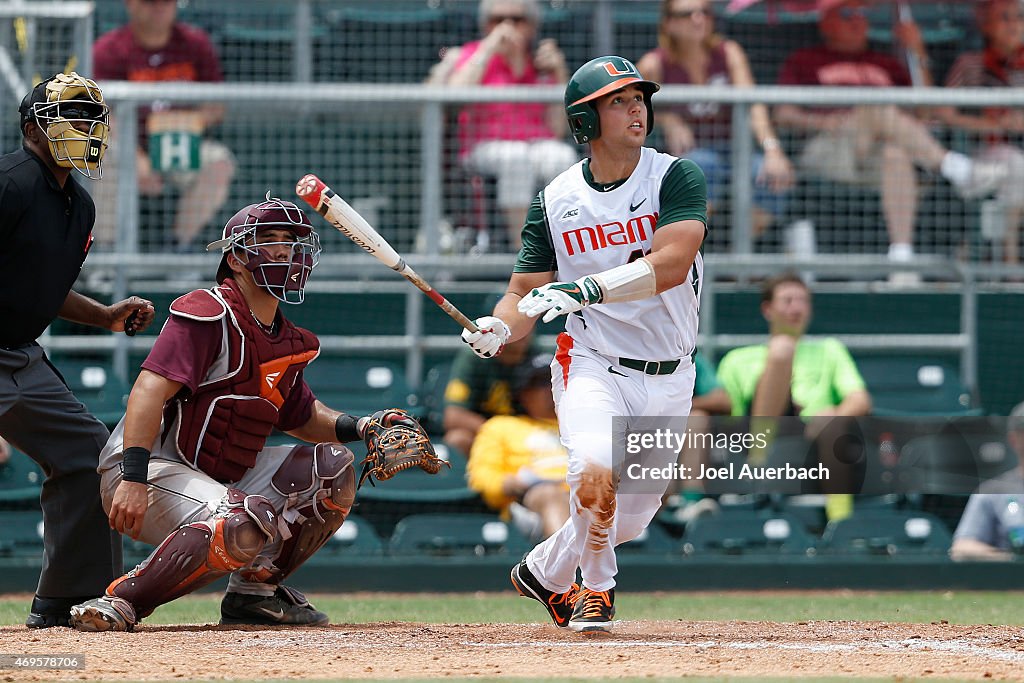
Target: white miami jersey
[(593, 231)]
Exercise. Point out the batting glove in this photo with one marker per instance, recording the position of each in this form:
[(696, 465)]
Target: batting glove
[(491, 338), (560, 298)]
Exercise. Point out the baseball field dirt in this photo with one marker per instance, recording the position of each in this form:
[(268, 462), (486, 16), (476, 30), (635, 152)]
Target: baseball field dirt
[(637, 649)]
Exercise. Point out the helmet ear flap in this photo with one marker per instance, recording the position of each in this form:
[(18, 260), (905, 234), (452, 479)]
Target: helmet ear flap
[(583, 122)]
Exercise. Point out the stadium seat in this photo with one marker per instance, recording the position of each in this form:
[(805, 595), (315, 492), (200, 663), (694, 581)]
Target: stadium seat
[(394, 42), (465, 535), (744, 533), (912, 385), (96, 385), (944, 463), (22, 533), (356, 537), (886, 532), (767, 34), (808, 508), (20, 479), (358, 386), (653, 540), (416, 486)]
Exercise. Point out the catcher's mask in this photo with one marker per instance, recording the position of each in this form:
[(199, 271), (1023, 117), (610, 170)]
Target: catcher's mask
[(70, 111), (284, 279), (594, 80)]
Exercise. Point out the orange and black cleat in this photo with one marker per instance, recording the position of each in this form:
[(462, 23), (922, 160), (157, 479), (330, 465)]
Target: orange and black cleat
[(558, 605), (593, 611)]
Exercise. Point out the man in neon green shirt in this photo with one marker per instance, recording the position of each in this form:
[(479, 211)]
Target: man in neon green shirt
[(790, 375)]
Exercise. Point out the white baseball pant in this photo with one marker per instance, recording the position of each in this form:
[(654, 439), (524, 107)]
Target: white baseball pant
[(591, 389)]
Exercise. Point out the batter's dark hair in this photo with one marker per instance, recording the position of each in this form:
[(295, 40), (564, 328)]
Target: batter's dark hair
[(771, 284)]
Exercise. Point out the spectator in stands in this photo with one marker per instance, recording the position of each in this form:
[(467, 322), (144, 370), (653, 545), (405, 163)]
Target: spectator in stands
[(992, 526), (690, 52), (876, 146), (519, 458), (155, 46), (479, 389), (517, 143), (816, 380), (999, 65)]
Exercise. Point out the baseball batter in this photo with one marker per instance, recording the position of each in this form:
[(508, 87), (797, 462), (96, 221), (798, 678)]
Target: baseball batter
[(623, 231), (187, 468)]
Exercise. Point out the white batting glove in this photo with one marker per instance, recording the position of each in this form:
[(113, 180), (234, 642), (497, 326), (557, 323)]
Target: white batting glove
[(560, 298), (491, 338)]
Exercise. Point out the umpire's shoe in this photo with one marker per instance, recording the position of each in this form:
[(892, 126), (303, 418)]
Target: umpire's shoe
[(558, 605), (286, 607), (593, 611), (50, 612), (108, 613)]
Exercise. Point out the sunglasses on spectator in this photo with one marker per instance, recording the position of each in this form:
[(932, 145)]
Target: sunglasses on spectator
[(688, 13), (501, 18)]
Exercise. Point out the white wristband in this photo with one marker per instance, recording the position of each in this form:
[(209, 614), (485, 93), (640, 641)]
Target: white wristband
[(630, 282)]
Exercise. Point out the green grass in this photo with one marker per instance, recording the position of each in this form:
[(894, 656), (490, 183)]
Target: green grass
[(967, 607)]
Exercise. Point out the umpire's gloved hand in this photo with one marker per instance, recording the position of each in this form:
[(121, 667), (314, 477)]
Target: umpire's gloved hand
[(491, 338)]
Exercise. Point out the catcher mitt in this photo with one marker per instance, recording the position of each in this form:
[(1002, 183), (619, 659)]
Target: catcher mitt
[(396, 442)]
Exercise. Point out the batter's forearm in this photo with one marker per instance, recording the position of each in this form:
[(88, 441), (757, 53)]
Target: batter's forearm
[(518, 324)]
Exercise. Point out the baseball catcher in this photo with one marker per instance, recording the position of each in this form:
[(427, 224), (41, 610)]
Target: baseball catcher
[(188, 468)]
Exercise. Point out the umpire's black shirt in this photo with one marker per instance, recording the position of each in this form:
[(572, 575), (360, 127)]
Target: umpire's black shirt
[(45, 234)]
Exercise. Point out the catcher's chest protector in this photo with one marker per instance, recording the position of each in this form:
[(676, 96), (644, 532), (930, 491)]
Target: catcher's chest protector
[(225, 424)]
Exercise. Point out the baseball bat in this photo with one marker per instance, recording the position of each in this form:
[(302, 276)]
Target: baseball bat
[(338, 213)]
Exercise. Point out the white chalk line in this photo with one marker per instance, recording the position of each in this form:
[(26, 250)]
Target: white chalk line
[(350, 640), (972, 649)]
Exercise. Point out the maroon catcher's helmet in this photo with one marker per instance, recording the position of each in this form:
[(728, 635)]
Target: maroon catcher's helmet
[(283, 279)]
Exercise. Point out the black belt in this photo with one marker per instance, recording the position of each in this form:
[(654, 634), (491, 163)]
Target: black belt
[(650, 367), (15, 347)]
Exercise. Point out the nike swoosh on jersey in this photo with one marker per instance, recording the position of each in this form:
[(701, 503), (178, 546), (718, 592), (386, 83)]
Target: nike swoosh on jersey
[(611, 369), (633, 208)]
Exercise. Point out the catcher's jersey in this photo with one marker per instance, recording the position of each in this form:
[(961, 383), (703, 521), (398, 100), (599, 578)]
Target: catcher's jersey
[(591, 229)]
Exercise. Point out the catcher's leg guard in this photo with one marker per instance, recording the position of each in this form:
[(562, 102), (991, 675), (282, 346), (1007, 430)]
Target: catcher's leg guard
[(200, 552), (321, 485)]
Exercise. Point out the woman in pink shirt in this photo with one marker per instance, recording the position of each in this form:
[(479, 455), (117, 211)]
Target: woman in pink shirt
[(518, 143)]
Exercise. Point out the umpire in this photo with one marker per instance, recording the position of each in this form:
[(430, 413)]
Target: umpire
[(46, 221)]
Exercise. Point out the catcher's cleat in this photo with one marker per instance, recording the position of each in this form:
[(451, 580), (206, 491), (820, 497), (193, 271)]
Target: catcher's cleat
[(286, 607), (558, 605), (593, 611), (108, 613)]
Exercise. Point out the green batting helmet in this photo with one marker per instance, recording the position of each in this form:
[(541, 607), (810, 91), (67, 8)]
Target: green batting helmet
[(593, 80)]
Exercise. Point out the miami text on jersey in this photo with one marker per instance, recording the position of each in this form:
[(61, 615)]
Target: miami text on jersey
[(612, 234)]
